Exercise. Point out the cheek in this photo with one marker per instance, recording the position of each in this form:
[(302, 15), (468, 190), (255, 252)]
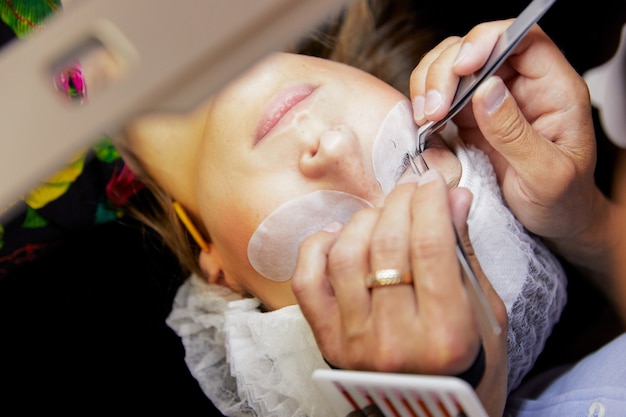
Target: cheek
[(231, 240), (230, 227)]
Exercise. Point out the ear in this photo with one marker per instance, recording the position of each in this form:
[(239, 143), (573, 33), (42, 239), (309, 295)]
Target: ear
[(211, 266)]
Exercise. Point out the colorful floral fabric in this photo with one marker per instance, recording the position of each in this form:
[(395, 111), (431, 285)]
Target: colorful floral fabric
[(89, 190)]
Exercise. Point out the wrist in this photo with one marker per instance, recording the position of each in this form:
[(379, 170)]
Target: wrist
[(594, 244)]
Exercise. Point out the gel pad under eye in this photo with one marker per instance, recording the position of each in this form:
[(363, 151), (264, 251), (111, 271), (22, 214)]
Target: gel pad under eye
[(273, 247), (396, 136)]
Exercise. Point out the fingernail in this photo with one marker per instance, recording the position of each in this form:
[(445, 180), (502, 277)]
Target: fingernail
[(496, 93), (428, 176), (418, 107), (409, 178), (464, 52), (433, 102), (333, 227)]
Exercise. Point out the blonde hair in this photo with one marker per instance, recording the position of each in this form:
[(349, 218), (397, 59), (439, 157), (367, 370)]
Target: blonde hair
[(153, 208)]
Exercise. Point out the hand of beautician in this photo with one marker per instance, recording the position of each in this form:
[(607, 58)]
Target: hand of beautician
[(534, 121), (425, 327)]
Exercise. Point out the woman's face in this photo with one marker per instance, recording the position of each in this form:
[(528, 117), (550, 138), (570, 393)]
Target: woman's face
[(290, 126)]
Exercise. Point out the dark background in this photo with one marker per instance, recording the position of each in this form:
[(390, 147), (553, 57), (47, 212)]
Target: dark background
[(82, 330)]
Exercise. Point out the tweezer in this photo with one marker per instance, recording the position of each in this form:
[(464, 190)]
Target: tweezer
[(501, 51)]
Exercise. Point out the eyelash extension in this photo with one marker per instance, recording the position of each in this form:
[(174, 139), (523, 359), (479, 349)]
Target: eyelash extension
[(406, 161)]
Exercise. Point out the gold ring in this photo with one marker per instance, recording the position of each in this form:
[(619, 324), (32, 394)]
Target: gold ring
[(386, 277)]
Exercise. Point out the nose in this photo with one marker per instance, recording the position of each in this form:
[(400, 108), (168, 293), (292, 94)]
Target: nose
[(335, 153), (337, 161)]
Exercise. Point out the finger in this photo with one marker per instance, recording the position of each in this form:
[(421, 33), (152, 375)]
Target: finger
[(313, 291), (460, 204), (441, 84), (477, 46), (419, 86), (433, 257), (420, 72), (310, 275), (435, 265), (389, 249), (389, 246), (348, 265)]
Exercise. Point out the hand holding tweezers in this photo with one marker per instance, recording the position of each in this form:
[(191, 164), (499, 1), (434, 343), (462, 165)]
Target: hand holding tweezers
[(466, 88), (501, 51)]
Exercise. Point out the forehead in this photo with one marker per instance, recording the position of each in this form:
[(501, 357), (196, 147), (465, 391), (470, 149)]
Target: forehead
[(288, 66), (162, 146)]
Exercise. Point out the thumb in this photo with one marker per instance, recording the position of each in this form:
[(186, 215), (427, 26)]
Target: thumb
[(505, 127)]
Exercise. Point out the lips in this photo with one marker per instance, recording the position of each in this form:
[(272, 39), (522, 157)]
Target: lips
[(280, 105)]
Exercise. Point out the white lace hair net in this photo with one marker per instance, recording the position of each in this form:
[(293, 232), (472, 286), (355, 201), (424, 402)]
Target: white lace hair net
[(251, 363), (524, 273)]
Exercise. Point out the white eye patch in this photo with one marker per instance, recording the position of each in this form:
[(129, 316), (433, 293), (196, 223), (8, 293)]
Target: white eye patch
[(273, 248), (396, 136)]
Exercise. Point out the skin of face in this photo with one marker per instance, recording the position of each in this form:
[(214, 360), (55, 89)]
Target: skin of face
[(289, 126)]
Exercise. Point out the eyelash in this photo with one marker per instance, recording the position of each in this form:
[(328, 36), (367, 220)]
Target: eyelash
[(406, 162)]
